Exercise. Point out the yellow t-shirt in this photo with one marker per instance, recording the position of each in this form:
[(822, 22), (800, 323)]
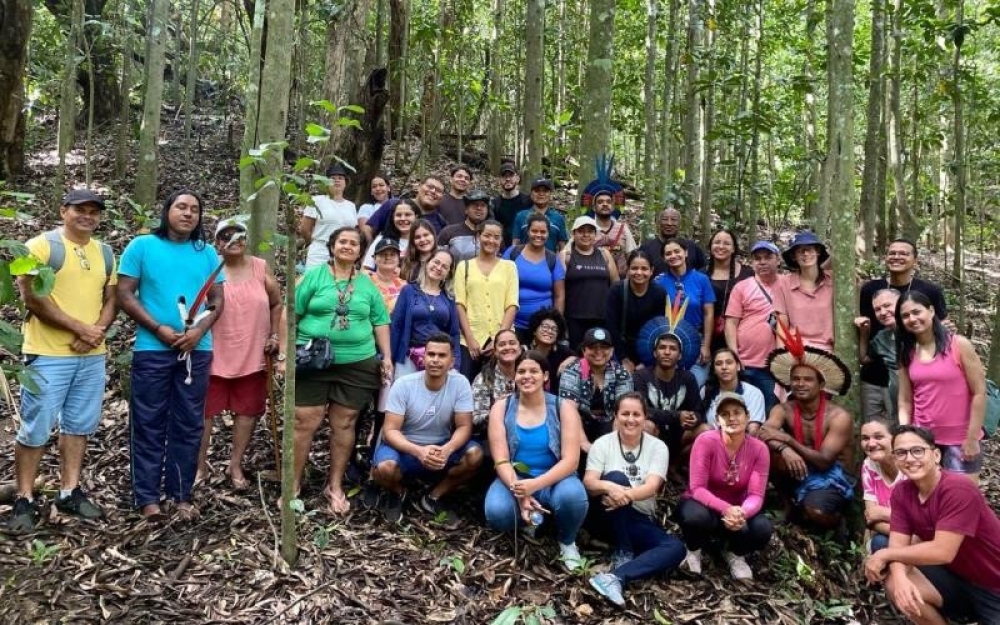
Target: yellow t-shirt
[(485, 298), (78, 292)]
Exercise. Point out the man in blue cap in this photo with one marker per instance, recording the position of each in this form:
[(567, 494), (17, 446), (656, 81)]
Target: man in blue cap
[(541, 200), (750, 319)]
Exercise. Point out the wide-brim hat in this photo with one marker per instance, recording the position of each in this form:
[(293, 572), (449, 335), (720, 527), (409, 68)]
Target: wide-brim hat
[(801, 239), (835, 374)]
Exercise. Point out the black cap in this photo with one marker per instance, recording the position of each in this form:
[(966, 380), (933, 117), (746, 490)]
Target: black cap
[(336, 169), (597, 335), (476, 195), (543, 182), (508, 168), (77, 197), (386, 244)]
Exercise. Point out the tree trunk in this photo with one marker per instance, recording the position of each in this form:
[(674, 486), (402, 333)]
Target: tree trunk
[(692, 112), (345, 53), (124, 110), (399, 12), (177, 18), (15, 31), (873, 146), (67, 96), (649, 100), (993, 365), (249, 175), (667, 163), (534, 89), (707, 156), (192, 70), (146, 179), (840, 181), (816, 205), (958, 120), (909, 225), (596, 94), (494, 90), (753, 194)]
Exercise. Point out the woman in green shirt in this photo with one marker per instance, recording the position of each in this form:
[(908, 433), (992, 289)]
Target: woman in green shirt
[(338, 302)]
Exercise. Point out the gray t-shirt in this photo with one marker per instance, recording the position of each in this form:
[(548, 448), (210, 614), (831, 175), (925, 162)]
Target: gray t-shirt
[(606, 456), (429, 416)]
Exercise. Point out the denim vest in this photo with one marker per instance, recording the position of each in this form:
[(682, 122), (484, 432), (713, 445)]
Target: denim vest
[(552, 424)]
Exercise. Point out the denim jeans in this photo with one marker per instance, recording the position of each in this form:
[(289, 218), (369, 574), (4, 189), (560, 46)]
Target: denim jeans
[(566, 500), (167, 417), (764, 381), (878, 542), (700, 373), (655, 550), (700, 525)]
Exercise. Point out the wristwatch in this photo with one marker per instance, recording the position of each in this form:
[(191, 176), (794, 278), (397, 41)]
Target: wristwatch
[(280, 357)]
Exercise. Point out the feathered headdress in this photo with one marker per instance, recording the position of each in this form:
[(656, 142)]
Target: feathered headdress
[(836, 376), (673, 323), (603, 165)]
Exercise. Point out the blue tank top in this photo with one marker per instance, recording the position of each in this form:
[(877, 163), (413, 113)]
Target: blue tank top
[(533, 450)]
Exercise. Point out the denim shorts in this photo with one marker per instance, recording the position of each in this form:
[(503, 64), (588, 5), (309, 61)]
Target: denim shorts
[(70, 395), (951, 460), (410, 466)]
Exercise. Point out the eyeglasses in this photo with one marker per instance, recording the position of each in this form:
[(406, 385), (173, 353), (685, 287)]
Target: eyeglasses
[(916, 452), (548, 327), (732, 473), (82, 257), (435, 190)]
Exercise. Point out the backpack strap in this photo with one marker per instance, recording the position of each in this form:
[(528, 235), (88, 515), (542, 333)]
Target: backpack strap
[(57, 252), (550, 257)]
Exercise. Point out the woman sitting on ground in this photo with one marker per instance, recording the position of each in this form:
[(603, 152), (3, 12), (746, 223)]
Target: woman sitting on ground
[(728, 478), (944, 540), (547, 330), (425, 309), (535, 442), (879, 476), (626, 470), (725, 378), (495, 381)]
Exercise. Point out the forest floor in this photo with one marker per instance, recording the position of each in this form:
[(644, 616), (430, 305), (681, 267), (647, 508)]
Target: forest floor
[(224, 568)]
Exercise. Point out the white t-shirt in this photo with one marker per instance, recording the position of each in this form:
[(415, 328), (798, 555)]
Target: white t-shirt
[(367, 210), (329, 216), (652, 458), (369, 259), (751, 395)]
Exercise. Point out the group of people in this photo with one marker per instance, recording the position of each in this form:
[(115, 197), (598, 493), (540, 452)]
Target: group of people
[(586, 368)]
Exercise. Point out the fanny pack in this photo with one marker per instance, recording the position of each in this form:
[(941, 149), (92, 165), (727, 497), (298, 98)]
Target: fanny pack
[(314, 355), (417, 355)]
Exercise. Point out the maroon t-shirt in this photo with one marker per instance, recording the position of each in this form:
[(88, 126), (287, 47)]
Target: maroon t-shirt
[(955, 505)]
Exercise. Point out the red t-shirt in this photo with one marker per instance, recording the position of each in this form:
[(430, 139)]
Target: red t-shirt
[(955, 505)]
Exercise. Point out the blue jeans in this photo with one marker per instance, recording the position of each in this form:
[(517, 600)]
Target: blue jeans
[(700, 373), (878, 542), (566, 500), (655, 550), (764, 381), (167, 418), (70, 394)]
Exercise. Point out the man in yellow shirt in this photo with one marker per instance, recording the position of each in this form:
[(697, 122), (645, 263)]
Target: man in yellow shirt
[(65, 353)]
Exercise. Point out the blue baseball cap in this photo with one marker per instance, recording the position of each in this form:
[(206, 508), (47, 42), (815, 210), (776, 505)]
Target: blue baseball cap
[(765, 245)]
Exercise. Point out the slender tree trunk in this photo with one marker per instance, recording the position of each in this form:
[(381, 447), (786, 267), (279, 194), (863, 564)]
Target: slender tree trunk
[(175, 63), (873, 146), (194, 53), (753, 194), (494, 90), (840, 182), (993, 366), (708, 121), (67, 97), (399, 12), (649, 99), (909, 225), (667, 164), (958, 119), (125, 108), (149, 133), (693, 110), (345, 53), (379, 34), (816, 206), (596, 95), (15, 31), (534, 88), (249, 175)]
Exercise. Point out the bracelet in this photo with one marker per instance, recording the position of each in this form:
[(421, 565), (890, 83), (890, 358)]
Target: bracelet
[(500, 463), (273, 336), (782, 447)]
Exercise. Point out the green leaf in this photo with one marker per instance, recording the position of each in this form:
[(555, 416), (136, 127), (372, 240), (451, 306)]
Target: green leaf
[(326, 105), (353, 108), (312, 139), (548, 611), (304, 163), (43, 281), (7, 292), (520, 467), (532, 619), (297, 505), (28, 379), (508, 616), (23, 265), (10, 337), (315, 130), (659, 618), (247, 161), (346, 122)]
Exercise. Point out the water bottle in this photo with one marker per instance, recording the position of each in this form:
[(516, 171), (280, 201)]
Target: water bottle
[(536, 518)]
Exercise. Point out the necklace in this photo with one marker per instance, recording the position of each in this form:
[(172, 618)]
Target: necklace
[(343, 299), (630, 457), (429, 299), (733, 472)]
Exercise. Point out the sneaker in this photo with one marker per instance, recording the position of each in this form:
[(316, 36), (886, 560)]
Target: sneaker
[(570, 556), (693, 561), (440, 513), (24, 517), (391, 506), (370, 496), (609, 587), (77, 503), (619, 558), (738, 567)]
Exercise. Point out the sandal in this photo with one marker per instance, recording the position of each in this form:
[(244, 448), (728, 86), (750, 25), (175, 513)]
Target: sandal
[(338, 503), (240, 484), (187, 512)]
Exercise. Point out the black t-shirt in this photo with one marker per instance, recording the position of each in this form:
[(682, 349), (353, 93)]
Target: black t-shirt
[(723, 288), (654, 247), (665, 399), (506, 209), (875, 372), (625, 327), (587, 285)]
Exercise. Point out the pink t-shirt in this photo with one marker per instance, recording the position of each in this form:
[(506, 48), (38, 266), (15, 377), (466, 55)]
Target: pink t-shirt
[(810, 312), (874, 484), (955, 505), (942, 401), (239, 334), (710, 465), (749, 306)]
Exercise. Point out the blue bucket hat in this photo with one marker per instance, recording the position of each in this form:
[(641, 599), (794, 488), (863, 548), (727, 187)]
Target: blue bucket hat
[(805, 238)]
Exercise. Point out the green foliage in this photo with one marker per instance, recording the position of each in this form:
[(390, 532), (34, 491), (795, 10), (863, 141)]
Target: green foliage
[(527, 614), (42, 553), (455, 563)]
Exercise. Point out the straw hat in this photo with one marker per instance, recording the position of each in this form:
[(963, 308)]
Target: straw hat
[(836, 377)]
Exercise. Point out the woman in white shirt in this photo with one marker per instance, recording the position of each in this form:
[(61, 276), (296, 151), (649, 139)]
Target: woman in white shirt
[(328, 213)]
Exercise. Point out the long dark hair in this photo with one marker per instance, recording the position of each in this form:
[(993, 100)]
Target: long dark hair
[(390, 230), (489, 371), (732, 259), (906, 341), (384, 178), (412, 262), (713, 386), (197, 237)]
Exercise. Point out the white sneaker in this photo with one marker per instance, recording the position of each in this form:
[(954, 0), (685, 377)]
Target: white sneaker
[(738, 567), (693, 561), (570, 556)]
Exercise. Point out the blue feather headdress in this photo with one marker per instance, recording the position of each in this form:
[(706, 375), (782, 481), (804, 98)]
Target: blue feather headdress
[(603, 165)]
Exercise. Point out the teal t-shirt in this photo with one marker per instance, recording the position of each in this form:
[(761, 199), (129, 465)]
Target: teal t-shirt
[(316, 300), (166, 270)]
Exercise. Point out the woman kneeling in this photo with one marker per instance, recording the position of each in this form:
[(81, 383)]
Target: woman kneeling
[(626, 469), (728, 478), (535, 438)]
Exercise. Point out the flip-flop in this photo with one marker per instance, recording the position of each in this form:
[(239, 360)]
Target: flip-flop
[(338, 504), (239, 485)]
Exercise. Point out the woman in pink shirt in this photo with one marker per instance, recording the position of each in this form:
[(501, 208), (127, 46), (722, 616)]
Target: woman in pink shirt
[(723, 503), (804, 298), (879, 475), (942, 385)]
